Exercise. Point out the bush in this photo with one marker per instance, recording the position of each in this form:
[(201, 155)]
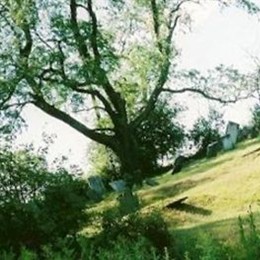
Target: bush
[(255, 121), (249, 237), (150, 229), (37, 207)]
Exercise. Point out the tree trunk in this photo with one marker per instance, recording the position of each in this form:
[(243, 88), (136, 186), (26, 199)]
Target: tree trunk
[(129, 156)]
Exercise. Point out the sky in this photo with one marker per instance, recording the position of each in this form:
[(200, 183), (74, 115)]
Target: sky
[(229, 37)]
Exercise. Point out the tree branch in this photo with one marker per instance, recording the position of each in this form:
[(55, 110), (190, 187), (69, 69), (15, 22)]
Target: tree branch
[(82, 47), (72, 122), (18, 104), (144, 112), (26, 50), (156, 24), (204, 94), (97, 94), (93, 38)]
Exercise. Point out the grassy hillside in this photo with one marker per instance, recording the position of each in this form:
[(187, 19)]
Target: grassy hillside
[(219, 190)]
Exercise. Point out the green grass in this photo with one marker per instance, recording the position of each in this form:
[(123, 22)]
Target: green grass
[(219, 190)]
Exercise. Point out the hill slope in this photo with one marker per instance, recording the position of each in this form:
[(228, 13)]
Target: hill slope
[(218, 189)]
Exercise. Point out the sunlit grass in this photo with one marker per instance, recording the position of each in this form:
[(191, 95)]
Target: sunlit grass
[(225, 186), (218, 189)]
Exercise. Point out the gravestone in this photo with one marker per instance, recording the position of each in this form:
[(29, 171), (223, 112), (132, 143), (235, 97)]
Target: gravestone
[(96, 184), (232, 130), (227, 143), (118, 185), (212, 149), (179, 163), (230, 138)]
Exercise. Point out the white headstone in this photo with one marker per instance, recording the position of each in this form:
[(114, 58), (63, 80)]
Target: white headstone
[(232, 130), (230, 139)]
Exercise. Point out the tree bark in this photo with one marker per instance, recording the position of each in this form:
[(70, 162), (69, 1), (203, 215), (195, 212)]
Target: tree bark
[(129, 156)]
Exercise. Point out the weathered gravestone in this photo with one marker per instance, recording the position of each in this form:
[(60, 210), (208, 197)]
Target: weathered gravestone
[(179, 163), (97, 188), (213, 149), (118, 186), (96, 184), (229, 140)]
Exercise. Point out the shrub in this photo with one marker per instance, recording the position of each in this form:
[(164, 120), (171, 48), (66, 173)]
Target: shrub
[(255, 121), (249, 237), (37, 207), (150, 229)]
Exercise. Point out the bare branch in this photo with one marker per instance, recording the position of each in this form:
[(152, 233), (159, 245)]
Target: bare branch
[(18, 104), (89, 109), (7, 98), (204, 94), (45, 42), (179, 5)]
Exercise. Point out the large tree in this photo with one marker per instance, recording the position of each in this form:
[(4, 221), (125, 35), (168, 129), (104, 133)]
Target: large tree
[(76, 56)]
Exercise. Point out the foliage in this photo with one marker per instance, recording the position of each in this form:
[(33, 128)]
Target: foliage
[(122, 249), (255, 120), (151, 229), (128, 241), (70, 58), (37, 206), (249, 237), (206, 131), (158, 137)]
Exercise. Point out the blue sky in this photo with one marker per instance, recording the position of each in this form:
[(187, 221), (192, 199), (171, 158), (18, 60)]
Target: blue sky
[(229, 37)]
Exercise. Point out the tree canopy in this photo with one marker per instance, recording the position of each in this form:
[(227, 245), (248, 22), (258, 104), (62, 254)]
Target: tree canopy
[(112, 59)]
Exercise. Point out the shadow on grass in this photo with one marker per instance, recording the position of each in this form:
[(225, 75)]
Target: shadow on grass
[(248, 143), (170, 190), (221, 228), (199, 166), (190, 209), (203, 166)]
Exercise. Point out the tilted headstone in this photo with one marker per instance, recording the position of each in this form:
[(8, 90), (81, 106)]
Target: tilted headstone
[(179, 163), (233, 131), (230, 138), (96, 184), (118, 186), (227, 143), (212, 149)]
